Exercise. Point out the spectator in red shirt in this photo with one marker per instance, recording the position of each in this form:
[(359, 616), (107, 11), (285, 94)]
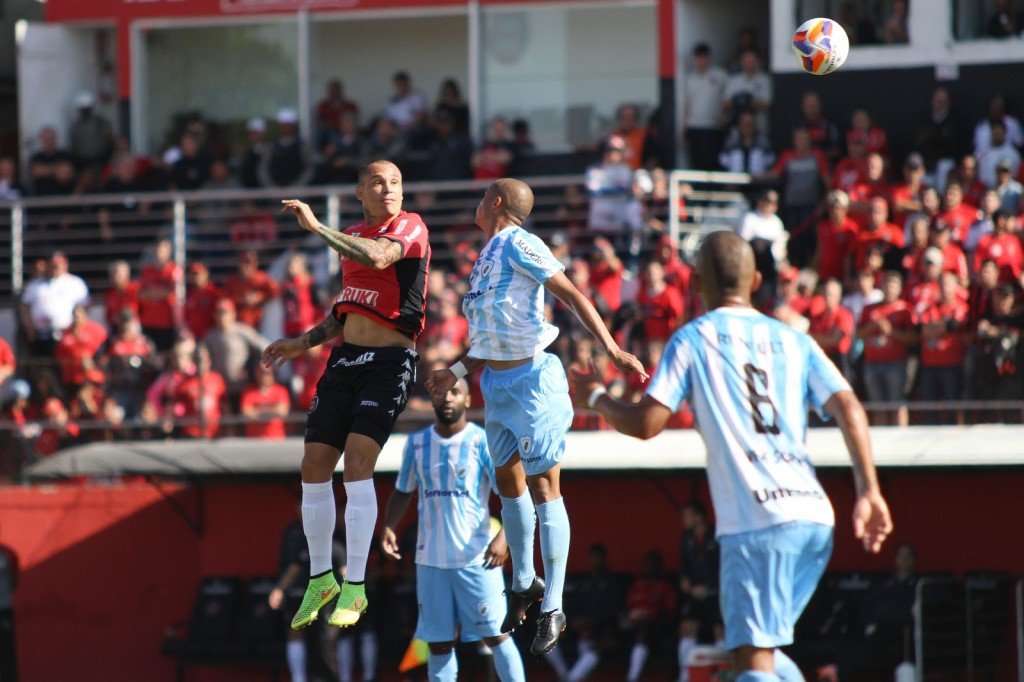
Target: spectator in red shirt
[(330, 109), (158, 299), (297, 297), (7, 361), (492, 160), (906, 197), (250, 289), (202, 395), (661, 304), (1003, 247), (306, 371), (967, 175), (448, 337), (863, 128), (956, 214), (77, 349), (836, 236), (943, 346), (129, 360), (873, 186), (58, 431), (164, 398), (824, 134), (953, 258), (877, 232), (925, 293), (888, 330), (920, 239), (265, 404), (832, 326), (606, 277), (200, 301), (650, 601), (852, 169), (790, 307), (123, 293), (585, 356)]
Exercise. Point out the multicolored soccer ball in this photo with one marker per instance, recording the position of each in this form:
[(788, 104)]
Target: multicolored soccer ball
[(821, 46)]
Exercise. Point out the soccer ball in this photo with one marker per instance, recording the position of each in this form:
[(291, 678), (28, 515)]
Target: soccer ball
[(821, 45)]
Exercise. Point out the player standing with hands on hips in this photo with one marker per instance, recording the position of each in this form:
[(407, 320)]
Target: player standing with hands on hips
[(750, 380), (458, 566), (527, 409), (384, 265)]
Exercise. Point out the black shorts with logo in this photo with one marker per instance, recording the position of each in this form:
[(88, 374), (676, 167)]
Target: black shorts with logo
[(363, 390)]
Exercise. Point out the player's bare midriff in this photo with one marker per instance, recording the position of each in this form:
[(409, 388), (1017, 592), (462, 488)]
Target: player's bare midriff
[(362, 331), (499, 365)]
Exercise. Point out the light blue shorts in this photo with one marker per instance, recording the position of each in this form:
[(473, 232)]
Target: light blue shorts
[(472, 596), (527, 409), (767, 578)]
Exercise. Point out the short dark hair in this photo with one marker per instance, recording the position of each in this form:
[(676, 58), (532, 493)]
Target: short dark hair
[(401, 76), (697, 507), (702, 49)]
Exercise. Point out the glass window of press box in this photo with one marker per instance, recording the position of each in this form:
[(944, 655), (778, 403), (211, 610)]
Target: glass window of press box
[(988, 20), (867, 22)]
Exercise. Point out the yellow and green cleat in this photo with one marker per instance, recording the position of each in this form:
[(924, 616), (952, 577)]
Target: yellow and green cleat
[(320, 591), (351, 605)]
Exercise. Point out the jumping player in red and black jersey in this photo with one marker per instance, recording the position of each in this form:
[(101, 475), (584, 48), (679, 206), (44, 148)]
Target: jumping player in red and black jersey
[(384, 262)]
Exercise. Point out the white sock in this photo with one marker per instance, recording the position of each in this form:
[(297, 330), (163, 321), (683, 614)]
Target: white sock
[(686, 645), (369, 655), (295, 652), (587, 661), (557, 661), (318, 516), (637, 658), (360, 520), (343, 649)]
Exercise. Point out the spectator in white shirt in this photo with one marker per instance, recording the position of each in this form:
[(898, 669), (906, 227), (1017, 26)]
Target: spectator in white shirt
[(407, 106), (996, 114), (702, 110), (1000, 150), (48, 304), (763, 228), (865, 294), (1009, 190), (749, 90)]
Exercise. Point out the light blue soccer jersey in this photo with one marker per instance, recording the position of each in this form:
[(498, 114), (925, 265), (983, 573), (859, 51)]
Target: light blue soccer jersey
[(750, 380), (505, 302), (454, 478)]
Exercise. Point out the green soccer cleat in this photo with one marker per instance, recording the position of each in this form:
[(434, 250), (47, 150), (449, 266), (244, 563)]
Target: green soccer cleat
[(351, 604), (319, 593)]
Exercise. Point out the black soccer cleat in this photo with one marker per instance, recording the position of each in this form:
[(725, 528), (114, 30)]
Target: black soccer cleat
[(550, 627), (519, 602)]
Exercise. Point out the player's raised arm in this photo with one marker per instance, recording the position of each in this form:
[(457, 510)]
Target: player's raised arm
[(872, 522), (376, 253), (566, 292)]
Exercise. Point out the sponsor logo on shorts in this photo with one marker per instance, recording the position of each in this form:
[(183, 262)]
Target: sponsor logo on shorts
[(361, 360), (369, 403), (314, 402), (530, 460), (483, 608), (525, 444), (445, 493), (361, 296)]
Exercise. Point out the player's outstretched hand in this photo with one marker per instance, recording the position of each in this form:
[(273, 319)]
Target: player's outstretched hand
[(584, 383), (871, 521), (389, 543), (497, 552), (627, 362), (440, 382), (275, 598), (302, 212), (281, 351)]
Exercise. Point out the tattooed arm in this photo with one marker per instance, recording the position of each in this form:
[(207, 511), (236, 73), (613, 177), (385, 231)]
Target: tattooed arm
[(283, 350), (377, 253)]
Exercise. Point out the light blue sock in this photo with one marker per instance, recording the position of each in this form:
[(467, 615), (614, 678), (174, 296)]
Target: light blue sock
[(786, 669), (442, 667), (507, 662), (757, 676), (517, 514), (554, 550)]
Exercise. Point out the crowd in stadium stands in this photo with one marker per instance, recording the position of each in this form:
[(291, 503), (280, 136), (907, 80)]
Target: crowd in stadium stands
[(908, 271)]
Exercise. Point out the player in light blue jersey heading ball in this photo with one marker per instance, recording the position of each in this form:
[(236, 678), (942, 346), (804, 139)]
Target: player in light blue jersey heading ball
[(527, 410), (458, 566), (751, 380)]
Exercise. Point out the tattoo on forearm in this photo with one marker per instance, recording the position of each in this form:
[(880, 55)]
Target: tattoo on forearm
[(360, 249), (325, 331)]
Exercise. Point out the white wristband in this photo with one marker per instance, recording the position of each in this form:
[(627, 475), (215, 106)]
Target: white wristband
[(459, 370), (595, 394)]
